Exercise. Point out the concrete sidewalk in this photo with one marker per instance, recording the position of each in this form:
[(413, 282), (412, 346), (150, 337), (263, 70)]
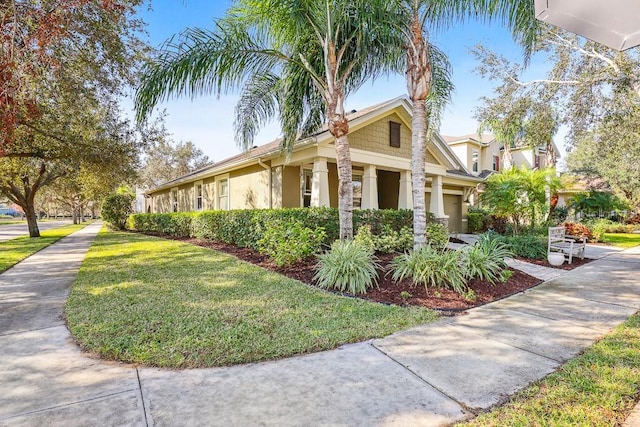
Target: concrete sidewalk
[(433, 374)]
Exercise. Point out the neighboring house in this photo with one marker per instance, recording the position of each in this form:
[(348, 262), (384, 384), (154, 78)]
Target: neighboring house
[(380, 141), (483, 155)]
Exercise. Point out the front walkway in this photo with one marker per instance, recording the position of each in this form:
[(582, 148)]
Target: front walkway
[(429, 375)]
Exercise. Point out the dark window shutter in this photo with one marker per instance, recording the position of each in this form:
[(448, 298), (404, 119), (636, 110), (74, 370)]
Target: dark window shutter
[(394, 134)]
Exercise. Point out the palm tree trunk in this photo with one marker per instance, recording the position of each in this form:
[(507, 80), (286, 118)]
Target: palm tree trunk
[(339, 128), (418, 158), (418, 86)]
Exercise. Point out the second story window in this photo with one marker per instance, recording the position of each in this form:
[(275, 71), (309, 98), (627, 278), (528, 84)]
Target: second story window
[(198, 197), (474, 161), (394, 134)]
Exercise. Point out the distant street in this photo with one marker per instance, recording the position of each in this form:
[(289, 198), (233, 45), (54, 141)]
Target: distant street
[(11, 231)]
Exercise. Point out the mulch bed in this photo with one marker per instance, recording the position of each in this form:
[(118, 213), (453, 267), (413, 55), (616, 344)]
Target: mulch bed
[(388, 292)]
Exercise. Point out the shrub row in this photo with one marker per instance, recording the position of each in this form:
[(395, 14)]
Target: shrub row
[(247, 227)]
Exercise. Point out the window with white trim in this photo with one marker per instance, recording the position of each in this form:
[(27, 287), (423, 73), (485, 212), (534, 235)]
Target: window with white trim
[(474, 161), (198, 196), (174, 199), (356, 183), (223, 194), (307, 180)]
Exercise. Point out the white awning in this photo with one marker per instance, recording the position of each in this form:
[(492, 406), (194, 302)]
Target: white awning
[(614, 23)]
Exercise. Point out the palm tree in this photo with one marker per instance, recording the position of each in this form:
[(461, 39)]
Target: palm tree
[(295, 59), (429, 92)]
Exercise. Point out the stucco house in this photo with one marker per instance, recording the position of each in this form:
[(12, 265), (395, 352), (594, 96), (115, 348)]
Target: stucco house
[(380, 147), (483, 154)]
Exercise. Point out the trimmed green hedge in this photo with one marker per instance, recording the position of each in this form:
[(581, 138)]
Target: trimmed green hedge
[(246, 227)]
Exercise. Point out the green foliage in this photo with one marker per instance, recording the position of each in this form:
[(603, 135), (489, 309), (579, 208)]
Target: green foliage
[(519, 194), (289, 242), (349, 266), (525, 245), (116, 208), (485, 259), (477, 222), (596, 202), (246, 227), (437, 235), (388, 241), (431, 268)]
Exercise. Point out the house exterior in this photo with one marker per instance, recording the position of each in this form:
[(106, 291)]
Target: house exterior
[(483, 154), (380, 147)]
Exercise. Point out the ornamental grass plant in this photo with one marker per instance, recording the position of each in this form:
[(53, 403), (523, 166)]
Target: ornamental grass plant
[(350, 266)]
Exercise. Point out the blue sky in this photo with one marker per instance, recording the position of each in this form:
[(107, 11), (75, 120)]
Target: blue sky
[(207, 121)]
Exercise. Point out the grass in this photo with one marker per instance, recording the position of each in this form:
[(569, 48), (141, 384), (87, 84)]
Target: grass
[(15, 250), (165, 303), (598, 388), (622, 240)]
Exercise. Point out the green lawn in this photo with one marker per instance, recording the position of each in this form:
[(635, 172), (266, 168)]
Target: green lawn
[(165, 303), (622, 240), (598, 388), (15, 250)]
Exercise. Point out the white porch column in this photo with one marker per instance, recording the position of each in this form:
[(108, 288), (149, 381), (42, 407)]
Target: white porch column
[(405, 196), (320, 183), (370, 188), (437, 199)]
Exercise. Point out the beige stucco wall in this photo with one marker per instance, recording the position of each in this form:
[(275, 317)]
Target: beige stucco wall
[(291, 187), (523, 157), (249, 188), (487, 154), (161, 202), (208, 193)]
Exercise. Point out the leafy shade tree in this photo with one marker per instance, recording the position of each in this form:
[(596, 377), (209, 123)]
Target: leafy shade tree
[(295, 60), (63, 66), (612, 151), (587, 83), (164, 160), (519, 195)]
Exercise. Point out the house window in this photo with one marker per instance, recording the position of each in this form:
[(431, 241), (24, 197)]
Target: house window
[(223, 194), (174, 200), (307, 179), (496, 163), (198, 200), (356, 182), (474, 160), (394, 134)]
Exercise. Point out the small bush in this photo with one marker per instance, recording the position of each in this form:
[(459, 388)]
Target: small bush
[(478, 220), (349, 266), (430, 267), (286, 243), (437, 235), (579, 230), (388, 241), (524, 245), (116, 208), (485, 259)]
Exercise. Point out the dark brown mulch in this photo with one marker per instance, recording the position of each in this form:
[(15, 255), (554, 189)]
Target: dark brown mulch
[(576, 262), (389, 292)]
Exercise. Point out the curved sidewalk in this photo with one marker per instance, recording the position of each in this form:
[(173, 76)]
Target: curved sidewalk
[(433, 374)]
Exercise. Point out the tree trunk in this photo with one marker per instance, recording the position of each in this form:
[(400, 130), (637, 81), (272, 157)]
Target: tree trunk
[(32, 220), (418, 158), (339, 128), (507, 157), (418, 86)]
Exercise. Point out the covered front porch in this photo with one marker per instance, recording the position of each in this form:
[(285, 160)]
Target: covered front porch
[(376, 187)]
